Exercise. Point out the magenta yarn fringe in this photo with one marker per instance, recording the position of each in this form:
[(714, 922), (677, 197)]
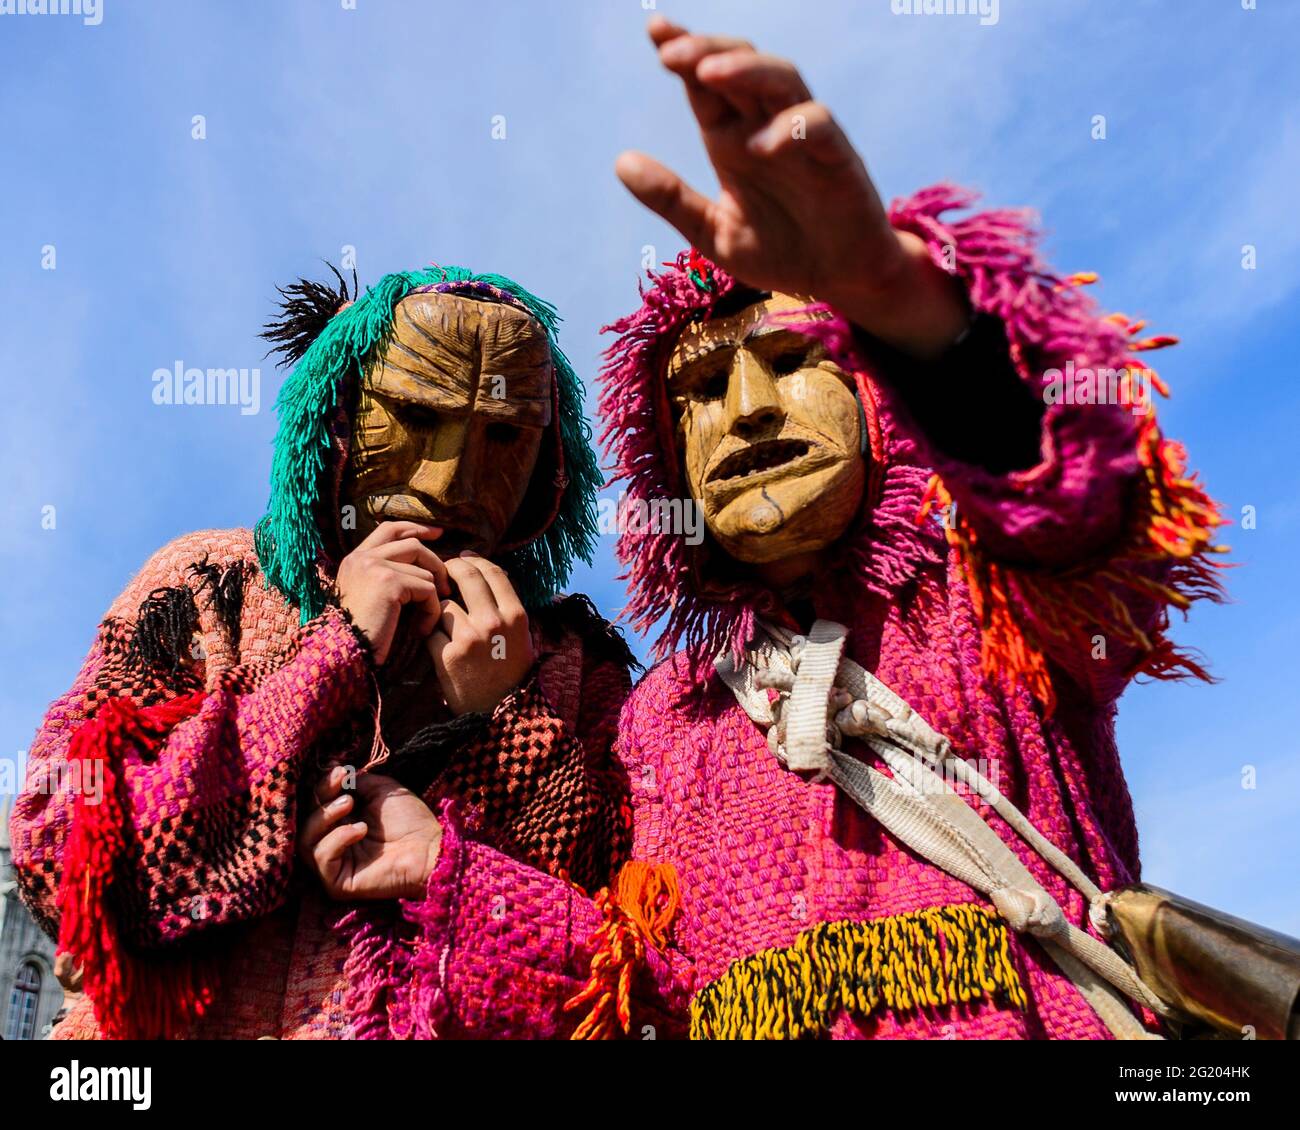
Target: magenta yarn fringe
[(993, 252)]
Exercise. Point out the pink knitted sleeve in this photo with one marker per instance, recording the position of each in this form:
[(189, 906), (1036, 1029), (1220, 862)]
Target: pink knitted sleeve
[(1077, 497), (499, 949), (1076, 556), (234, 742), (502, 947), (39, 821), (156, 811)]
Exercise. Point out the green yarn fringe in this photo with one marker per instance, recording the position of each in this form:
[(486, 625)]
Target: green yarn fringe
[(287, 539)]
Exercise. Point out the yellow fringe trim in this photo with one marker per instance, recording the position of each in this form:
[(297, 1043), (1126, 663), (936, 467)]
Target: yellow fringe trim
[(943, 955), (1172, 534)]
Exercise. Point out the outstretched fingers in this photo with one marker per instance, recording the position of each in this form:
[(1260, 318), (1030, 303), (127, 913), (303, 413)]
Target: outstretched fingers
[(667, 195), (742, 74), (681, 53), (807, 128)]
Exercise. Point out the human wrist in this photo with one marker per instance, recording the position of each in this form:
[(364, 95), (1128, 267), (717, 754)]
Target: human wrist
[(909, 302), (433, 852), (490, 701)]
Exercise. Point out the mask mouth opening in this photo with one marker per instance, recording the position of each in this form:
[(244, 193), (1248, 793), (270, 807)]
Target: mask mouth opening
[(756, 458), (452, 542)]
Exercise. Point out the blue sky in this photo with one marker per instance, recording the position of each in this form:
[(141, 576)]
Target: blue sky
[(372, 128)]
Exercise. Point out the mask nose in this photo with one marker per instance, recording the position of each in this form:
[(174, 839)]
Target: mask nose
[(753, 405), (439, 475)]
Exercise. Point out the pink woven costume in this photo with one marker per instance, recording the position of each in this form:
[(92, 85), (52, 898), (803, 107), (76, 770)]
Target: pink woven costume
[(156, 837), (762, 904)]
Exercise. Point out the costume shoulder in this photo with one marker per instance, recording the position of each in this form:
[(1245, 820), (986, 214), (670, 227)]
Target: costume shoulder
[(208, 582), (670, 684), (200, 559), (576, 615)]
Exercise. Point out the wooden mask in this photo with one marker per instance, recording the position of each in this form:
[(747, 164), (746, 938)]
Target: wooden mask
[(450, 420), (770, 433)]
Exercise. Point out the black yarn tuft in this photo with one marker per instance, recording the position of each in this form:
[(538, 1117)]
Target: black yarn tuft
[(164, 628), (227, 588), (423, 757), (305, 310)]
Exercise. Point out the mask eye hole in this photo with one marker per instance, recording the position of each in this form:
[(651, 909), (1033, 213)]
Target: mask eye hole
[(787, 362), (796, 355), (706, 382), (420, 417), (502, 433), (713, 386)]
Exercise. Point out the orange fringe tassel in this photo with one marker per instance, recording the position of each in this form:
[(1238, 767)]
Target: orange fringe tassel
[(1079, 278), (1175, 523), (638, 909)]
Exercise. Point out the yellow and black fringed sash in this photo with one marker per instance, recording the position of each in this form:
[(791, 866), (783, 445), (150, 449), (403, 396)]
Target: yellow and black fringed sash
[(943, 955)]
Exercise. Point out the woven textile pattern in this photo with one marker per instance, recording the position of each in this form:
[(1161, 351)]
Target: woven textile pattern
[(207, 876), (763, 855), (529, 784)]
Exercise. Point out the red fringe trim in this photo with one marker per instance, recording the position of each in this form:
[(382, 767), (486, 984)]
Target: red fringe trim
[(639, 909), (1172, 536), (134, 998)]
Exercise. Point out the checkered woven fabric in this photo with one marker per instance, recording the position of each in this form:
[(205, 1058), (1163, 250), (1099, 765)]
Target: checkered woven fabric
[(535, 793), (213, 843), (763, 855), (125, 675), (207, 874)]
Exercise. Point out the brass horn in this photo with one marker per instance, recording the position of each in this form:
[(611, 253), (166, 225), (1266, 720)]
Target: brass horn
[(1213, 968)]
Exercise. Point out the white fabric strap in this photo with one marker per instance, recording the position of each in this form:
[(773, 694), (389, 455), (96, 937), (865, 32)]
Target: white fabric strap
[(805, 735), (923, 812), (918, 806)]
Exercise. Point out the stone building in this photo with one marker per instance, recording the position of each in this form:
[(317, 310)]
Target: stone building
[(30, 997)]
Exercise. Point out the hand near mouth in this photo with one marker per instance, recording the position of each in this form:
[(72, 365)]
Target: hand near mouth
[(458, 531), (483, 647), (391, 568)]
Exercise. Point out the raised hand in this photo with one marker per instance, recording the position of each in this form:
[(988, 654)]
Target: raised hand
[(797, 211), (386, 850)]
